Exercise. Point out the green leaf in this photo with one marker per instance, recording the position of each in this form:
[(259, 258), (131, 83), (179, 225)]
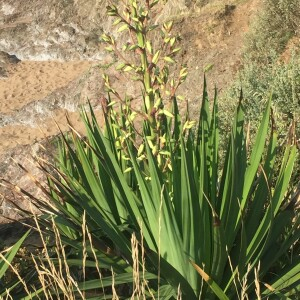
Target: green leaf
[(122, 28), (149, 47), (107, 281), (120, 66), (11, 253), (128, 68), (256, 154), (167, 113), (215, 288), (169, 59), (156, 57)]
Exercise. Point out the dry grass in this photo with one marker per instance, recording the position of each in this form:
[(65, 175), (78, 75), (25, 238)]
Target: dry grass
[(57, 282)]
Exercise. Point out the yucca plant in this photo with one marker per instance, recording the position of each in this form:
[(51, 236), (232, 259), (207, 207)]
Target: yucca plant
[(235, 229), (204, 230)]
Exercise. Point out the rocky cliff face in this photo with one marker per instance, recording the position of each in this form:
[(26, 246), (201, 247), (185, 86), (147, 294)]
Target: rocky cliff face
[(46, 30), (59, 29), (51, 61)]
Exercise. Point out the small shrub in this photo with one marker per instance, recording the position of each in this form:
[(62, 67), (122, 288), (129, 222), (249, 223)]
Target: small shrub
[(264, 73), (274, 27)]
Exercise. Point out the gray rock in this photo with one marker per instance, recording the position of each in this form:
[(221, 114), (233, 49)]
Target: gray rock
[(6, 58), (3, 72), (60, 30)]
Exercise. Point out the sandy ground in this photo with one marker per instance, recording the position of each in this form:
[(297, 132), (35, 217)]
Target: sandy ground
[(30, 81), (14, 135)]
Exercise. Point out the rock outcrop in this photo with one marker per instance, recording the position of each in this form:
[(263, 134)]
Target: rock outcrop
[(52, 48), (52, 30)]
